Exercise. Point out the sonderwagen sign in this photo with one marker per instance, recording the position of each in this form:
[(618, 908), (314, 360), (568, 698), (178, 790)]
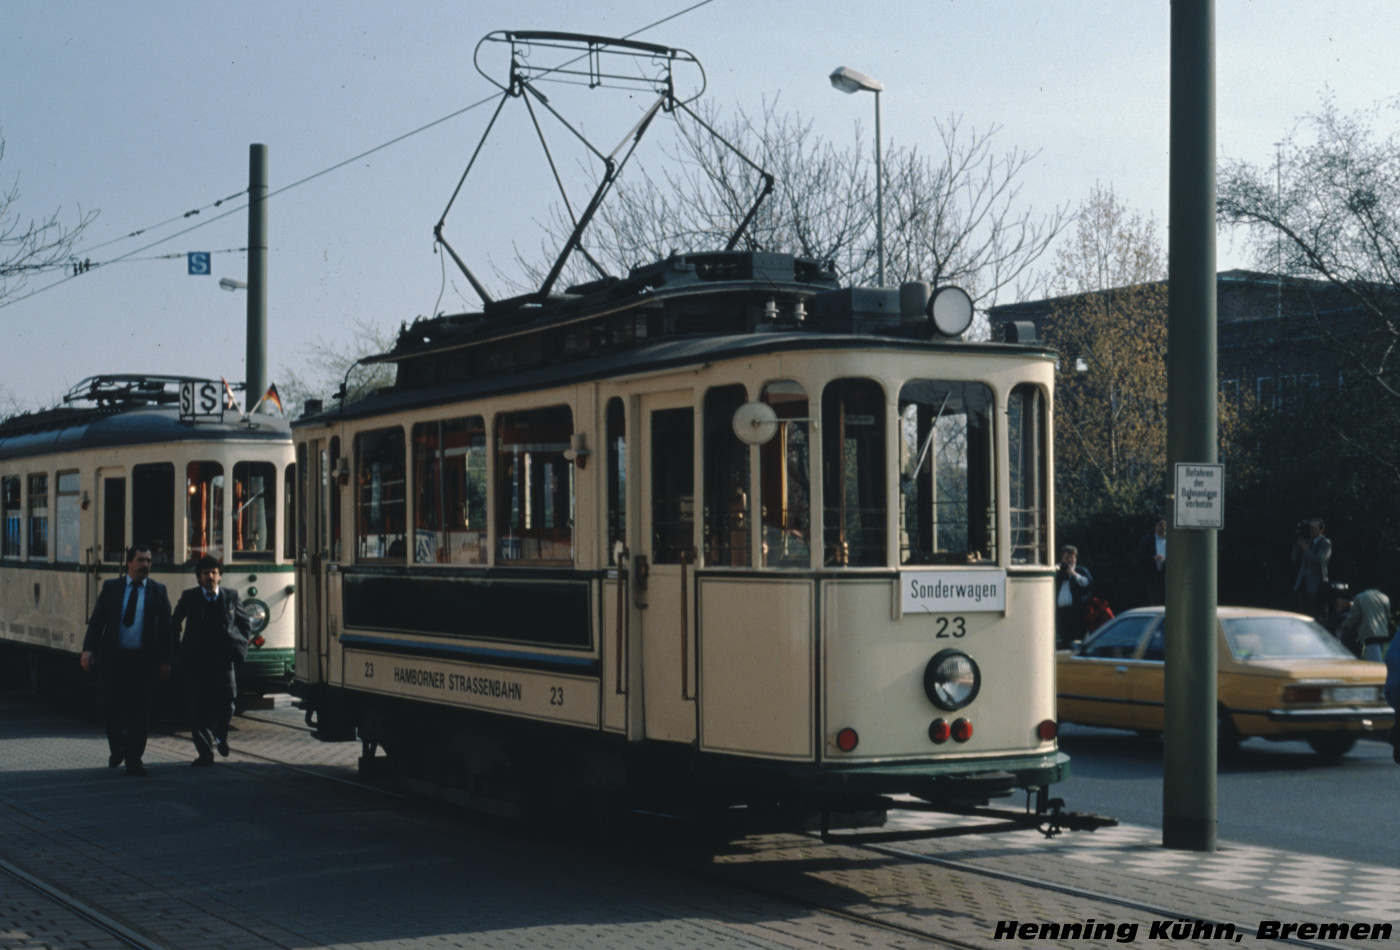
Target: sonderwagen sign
[(941, 592)]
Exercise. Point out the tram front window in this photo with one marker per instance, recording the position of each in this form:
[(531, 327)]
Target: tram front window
[(853, 473), (449, 491), (947, 479), (784, 461), (254, 511), (153, 510), (9, 486), (726, 481), (380, 526), (204, 511), (1026, 425)]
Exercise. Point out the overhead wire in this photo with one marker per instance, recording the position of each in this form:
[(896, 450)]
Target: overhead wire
[(130, 255)]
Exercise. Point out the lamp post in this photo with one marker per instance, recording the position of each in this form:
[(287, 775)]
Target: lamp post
[(848, 80)]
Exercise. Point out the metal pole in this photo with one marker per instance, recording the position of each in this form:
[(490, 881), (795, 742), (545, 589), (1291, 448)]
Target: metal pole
[(257, 276), (1189, 760), (879, 197)]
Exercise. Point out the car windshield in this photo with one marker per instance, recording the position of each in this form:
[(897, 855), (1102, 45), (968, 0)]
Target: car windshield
[(1278, 638)]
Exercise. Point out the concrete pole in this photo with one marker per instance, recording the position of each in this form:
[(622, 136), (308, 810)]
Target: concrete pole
[(1189, 782), (257, 276)]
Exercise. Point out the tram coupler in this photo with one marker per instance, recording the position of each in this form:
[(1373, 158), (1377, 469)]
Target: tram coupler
[(1048, 817)]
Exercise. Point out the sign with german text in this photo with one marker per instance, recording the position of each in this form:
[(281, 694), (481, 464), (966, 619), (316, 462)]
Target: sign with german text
[(1200, 495), (940, 592)]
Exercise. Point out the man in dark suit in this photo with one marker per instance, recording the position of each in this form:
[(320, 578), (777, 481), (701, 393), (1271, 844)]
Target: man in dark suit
[(129, 637), (216, 631)]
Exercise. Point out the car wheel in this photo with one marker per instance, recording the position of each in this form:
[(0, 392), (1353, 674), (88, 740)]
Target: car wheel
[(1332, 747), (1227, 737)]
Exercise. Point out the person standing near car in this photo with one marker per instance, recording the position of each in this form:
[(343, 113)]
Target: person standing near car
[(216, 632), (1152, 562), (1073, 586), (129, 642), (1367, 625), (1311, 552)]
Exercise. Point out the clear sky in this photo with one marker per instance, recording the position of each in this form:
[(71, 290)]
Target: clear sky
[(145, 110)]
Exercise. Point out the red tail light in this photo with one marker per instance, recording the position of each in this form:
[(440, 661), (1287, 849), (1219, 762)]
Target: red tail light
[(939, 731), (962, 730), (1047, 730), (847, 740)]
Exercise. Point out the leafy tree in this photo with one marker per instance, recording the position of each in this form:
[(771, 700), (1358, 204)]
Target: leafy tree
[(1110, 327), (28, 245), (326, 366), (953, 217)]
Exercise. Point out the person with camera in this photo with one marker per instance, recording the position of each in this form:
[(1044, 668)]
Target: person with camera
[(1073, 587), (1311, 552)]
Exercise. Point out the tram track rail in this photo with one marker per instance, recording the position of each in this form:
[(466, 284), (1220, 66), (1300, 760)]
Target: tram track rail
[(730, 875), (55, 896)]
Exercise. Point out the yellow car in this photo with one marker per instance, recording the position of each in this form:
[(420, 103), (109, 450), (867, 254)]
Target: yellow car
[(1281, 676)]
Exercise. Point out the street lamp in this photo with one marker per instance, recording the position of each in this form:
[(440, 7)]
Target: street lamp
[(229, 284), (848, 80)]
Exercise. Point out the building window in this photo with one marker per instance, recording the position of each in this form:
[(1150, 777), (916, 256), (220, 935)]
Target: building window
[(39, 517), (380, 523), (449, 491), (853, 473), (535, 486), (947, 479), (254, 511)]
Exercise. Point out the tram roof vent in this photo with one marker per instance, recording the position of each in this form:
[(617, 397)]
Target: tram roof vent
[(857, 309)]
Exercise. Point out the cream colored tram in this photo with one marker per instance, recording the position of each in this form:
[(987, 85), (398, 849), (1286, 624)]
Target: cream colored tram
[(722, 530), (120, 464)]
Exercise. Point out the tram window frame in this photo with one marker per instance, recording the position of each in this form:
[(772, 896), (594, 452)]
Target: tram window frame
[(854, 486), (785, 478), (949, 515), (450, 488), (290, 512), (381, 496), (615, 424), (728, 490), (36, 507), (67, 517), (245, 507), (153, 509), (1027, 432), (205, 486), (535, 490), (13, 514)]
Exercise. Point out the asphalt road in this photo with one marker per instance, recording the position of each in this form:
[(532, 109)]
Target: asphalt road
[(1269, 794)]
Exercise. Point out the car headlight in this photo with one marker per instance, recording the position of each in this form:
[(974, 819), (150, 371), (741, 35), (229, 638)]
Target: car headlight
[(952, 679), (258, 614)]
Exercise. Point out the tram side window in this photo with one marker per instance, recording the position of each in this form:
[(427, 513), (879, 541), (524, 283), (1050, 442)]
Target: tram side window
[(114, 520), (153, 510), (39, 517), (784, 466), (535, 486), (289, 521), (67, 514), (204, 510), (380, 517), (726, 481), (303, 492), (254, 511), (947, 480), (853, 473), (1026, 425), (332, 514), (617, 477), (449, 491), (9, 489)]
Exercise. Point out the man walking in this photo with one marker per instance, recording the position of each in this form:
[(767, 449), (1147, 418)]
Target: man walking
[(216, 631), (128, 640)]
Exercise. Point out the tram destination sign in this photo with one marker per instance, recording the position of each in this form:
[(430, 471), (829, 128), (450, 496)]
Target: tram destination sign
[(1200, 495), (940, 592), (201, 401)]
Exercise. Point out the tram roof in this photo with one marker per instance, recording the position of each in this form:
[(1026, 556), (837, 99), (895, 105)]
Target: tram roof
[(52, 431)]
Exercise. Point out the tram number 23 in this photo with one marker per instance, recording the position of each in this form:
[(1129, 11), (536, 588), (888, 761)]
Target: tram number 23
[(946, 627)]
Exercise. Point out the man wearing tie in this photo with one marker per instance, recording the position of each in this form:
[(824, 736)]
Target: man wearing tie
[(129, 638), (216, 631)]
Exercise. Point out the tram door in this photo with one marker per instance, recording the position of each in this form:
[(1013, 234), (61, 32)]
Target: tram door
[(310, 565), (109, 530), (668, 544)]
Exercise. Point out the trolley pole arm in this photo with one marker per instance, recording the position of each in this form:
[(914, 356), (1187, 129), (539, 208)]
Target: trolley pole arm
[(763, 192)]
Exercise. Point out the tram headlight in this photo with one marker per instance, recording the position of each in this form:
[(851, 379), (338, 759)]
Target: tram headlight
[(952, 679), (258, 616)]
